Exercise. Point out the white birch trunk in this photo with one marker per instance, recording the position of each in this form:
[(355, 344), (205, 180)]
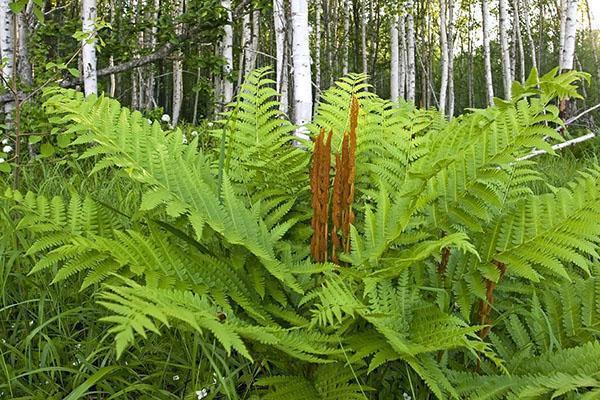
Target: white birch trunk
[(451, 44), (177, 70), (301, 62), (246, 39), (527, 21), (487, 61), (395, 61), (253, 49), (410, 52), (317, 31), (6, 49), (88, 49), (152, 42), (23, 64), (402, 60), (444, 60), (227, 49), (345, 37), (505, 49), (563, 19), (363, 38), (570, 33), (517, 22), (280, 22)]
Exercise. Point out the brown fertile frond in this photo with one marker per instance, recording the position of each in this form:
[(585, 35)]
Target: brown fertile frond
[(343, 186), (319, 186)]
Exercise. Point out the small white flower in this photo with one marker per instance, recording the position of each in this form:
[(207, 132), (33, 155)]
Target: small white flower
[(7, 149), (201, 393), (126, 363), (406, 396), (184, 140), (165, 118), (1, 161), (175, 377), (210, 124), (30, 322), (75, 363), (149, 121), (78, 345), (4, 141), (194, 133), (3, 341)]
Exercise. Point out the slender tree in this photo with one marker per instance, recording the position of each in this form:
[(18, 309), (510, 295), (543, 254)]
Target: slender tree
[(402, 58), (487, 59), (178, 67), (444, 56), (410, 52), (317, 31), (301, 62), (280, 21), (503, 27), (88, 47), (395, 60), (227, 53), (567, 49)]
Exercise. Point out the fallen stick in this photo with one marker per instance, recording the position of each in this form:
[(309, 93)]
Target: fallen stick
[(559, 146)]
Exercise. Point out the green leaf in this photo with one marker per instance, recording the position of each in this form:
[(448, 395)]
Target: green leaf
[(46, 150)]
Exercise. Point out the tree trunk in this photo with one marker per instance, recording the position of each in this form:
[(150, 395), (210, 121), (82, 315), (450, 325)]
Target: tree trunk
[(570, 33), (402, 60), (254, 42), (487, 59), (178, 69), (246, 39), (410, 52), (227, 49), (505, 49), (23, 64), (346, 37), (444, 56), (363, 39), (317, 50), (451, 39), (88, 48), (527, 21), (395, 60), (301, 62), (6, 49), (592, 41), (517, 22)]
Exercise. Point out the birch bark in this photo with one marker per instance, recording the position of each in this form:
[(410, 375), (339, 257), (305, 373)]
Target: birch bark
[(487, 61), (395, 60), (505, 49), (88, 49), (301, 62)]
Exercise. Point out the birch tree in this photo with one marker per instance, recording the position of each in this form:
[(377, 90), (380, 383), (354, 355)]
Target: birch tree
[(88, 48), (530, 41), (227, 49), (402, 58), (23, 63), (363, 38), (487, 61), (345, 37), (280, 21), (301, 63), (317, 31), (567, 49), (504, 49), (410, 52), (395, 60), (177, 67), (444, 55)]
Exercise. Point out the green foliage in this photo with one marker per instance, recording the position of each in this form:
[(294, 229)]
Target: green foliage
[(218, 252)]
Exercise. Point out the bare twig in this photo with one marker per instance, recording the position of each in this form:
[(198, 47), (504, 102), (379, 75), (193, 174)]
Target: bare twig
[(559, 146)]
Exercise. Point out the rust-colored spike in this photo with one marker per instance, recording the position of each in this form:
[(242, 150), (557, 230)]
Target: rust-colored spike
[(343, 187), (319, 185), (485, 308)]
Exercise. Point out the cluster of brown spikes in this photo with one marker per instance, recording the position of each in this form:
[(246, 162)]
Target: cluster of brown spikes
[(319, 186), (343, 192)]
